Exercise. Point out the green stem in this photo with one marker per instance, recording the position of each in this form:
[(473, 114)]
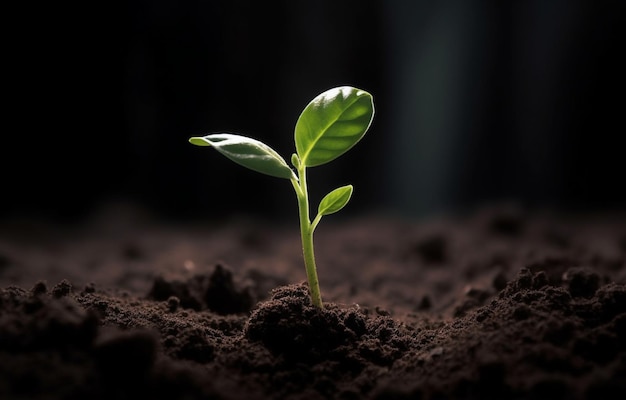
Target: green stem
[(306, 232)]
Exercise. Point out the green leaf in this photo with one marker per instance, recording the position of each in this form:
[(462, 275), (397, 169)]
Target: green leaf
[(332, 123), (335, 200), (247, 152)]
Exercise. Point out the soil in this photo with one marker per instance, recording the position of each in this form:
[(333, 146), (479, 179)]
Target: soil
[(502, 303)]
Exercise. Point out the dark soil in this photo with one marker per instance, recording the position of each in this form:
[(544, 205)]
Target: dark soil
[(501, 304)]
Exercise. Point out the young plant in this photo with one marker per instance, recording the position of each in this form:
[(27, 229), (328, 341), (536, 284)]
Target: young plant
[(329, 126)]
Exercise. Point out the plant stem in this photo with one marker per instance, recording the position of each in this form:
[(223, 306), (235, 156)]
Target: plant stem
[(306, 232)]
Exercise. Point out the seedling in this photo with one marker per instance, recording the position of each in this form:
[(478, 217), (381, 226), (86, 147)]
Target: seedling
[(329, 126)]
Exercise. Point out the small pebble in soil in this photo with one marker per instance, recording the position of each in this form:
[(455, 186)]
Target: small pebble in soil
[(173, 303), (62, 289), (39, 288)]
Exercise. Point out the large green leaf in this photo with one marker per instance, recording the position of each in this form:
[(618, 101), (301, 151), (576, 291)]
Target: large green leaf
[(332, 123), (248, 152)]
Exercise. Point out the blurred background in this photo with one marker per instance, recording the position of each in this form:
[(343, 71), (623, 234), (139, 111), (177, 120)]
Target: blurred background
[(476, 102)]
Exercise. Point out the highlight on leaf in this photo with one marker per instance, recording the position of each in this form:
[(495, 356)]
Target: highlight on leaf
[(247, 152), (332, 123)]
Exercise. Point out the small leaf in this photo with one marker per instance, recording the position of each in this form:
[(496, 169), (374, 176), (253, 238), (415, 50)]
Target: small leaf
[(332, 123), (295, 161), (248, 152), (335, 200)]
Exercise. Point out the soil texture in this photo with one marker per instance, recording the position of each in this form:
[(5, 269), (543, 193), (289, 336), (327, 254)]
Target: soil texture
[(499, 304)]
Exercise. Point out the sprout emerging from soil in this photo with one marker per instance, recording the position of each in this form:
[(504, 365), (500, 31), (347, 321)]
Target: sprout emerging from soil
[(330, 125)]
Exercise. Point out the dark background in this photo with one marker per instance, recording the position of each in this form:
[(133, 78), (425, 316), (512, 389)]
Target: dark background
[(477, 102)]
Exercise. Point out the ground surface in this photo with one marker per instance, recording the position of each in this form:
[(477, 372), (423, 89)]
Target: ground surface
[(499, 304)]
